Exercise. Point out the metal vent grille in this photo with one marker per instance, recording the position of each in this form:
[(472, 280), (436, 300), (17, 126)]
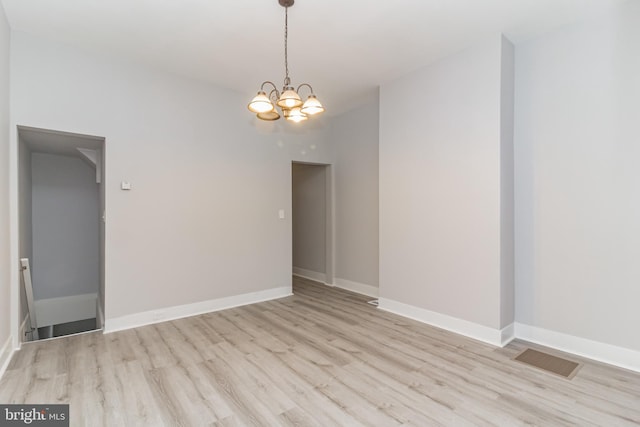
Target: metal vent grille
[(547, 362)]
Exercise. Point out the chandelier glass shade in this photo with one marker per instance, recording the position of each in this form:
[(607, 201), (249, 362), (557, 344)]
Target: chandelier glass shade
[(288, 100)]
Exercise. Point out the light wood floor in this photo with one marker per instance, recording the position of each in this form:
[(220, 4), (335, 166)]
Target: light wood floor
[(322, 357)]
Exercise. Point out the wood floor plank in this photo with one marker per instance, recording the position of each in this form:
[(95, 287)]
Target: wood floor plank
[(303, 391), (322, 357), (246, 408)]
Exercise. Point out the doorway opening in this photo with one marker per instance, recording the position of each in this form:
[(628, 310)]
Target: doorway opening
[(312, 222), (61, 232)]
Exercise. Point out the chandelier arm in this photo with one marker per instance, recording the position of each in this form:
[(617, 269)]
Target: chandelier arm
[(307, 85), (270, 83), (274, 91)]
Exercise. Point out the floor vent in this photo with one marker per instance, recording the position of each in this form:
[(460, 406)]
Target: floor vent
[(373, 302), (547, 362)]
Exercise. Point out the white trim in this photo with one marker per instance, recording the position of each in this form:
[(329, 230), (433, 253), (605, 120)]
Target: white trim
[(507, 334), (179, 311), (443, 321), (53, 311), (359, 288), (14, 227), (310, 274), (596, 350), (5, 355)]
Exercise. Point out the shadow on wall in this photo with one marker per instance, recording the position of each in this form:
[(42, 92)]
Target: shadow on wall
[(299, 140)]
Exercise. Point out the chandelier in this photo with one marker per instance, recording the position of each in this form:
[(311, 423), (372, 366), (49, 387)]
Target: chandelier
[(289, 100)]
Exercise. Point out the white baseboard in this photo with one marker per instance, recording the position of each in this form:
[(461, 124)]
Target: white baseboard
[(186, 310), (53, 311), (5, 355), (356, 287), (309, 274), (469, 329), (606, 353), (507, 334)]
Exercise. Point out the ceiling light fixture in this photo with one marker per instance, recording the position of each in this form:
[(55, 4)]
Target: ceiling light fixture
[(289, 100)]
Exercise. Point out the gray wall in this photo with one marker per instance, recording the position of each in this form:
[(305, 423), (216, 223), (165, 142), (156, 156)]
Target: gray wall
[(66, 257), (5, 261), (440, 186), (355, 139), (507, 192), (577, 178), (309, 217), (201, 221)]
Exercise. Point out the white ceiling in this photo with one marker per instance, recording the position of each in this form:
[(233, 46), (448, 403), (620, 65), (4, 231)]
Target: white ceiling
[(344, 49)]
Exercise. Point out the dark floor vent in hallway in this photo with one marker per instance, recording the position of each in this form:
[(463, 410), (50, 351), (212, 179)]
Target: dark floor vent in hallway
[(547, 362)]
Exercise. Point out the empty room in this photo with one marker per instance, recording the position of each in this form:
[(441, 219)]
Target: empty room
[(319, 213)]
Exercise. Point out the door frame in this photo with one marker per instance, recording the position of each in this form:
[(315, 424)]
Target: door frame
[(16, 323), (329, 218)]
